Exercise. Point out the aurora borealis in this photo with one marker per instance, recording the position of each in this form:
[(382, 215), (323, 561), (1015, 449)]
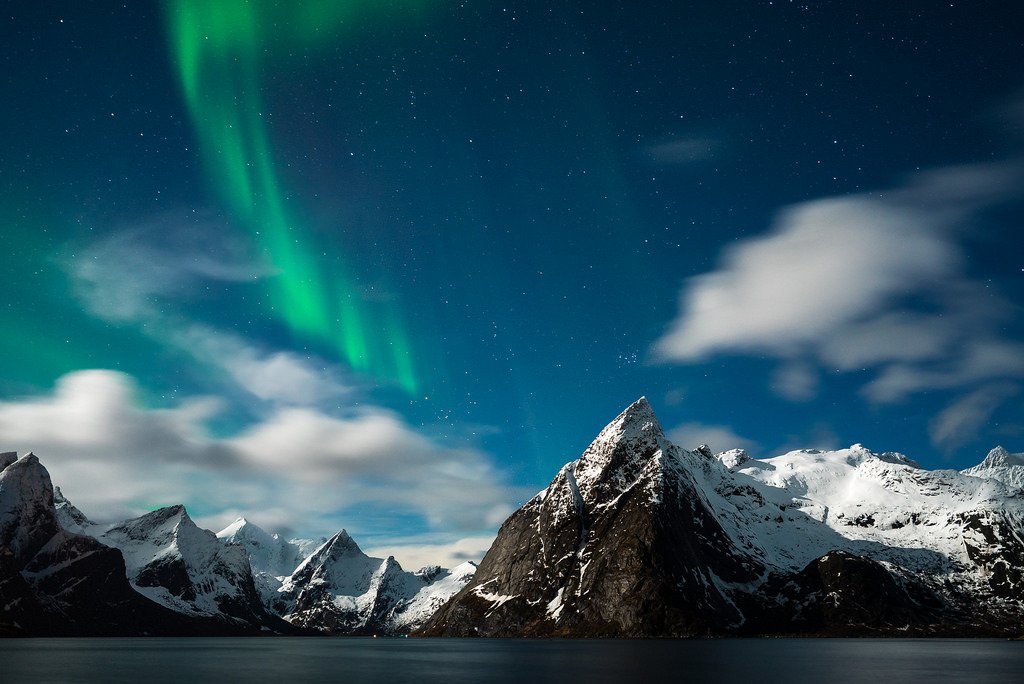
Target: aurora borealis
[(389, 265), (218, 49)]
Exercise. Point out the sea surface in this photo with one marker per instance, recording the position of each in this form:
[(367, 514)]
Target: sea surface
[(279, 659)]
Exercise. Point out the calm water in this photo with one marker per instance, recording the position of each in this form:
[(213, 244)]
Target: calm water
[(535, 662)]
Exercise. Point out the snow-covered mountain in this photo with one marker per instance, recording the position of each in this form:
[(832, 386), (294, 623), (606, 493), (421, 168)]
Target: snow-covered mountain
[(69, 517), (839, 542), (637, 537), (342, 590), (63, 574), (271, 557), (175, 563), (57, 583), (1001, 465), (330, 585)]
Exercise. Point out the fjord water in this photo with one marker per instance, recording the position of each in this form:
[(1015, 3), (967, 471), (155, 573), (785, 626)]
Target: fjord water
[(508, 660)]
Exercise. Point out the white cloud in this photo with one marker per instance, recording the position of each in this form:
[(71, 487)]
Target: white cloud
[(685, 150), (718, 437), (114, 459), (796, 381), (281, 377), (870, 281), (133, 276), (124, 276), (413, 556), (960, 422), (313, 462)]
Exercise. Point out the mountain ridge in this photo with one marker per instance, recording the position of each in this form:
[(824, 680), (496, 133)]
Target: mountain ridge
[(159, 573), (636, 537)]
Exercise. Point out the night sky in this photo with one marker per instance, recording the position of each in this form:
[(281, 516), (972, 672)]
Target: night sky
[(388, 265)]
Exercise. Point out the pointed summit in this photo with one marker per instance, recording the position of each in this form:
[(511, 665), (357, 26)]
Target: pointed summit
[(637, 417), (621, 450), (342, 544), (239, 529), (1001, 458), (27, 517), (68, 515)]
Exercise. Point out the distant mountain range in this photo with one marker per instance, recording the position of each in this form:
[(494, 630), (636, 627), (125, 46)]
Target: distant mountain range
[(638, 537), (160, 574)]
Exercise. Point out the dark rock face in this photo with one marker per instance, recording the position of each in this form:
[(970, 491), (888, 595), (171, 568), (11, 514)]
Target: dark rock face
[(991, 544), (843, 594), (620, 544)]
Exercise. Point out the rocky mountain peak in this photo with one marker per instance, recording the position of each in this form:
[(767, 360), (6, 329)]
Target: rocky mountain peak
[(636, 418), (27, 518), (68, 515), (621, 451), (1001, 458), (341, 544), (241, 530)]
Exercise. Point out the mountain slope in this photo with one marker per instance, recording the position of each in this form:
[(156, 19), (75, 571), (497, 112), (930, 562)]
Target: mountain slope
[(173, 562)]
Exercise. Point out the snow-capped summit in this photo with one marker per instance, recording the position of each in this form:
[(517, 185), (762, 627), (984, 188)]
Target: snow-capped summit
[(1000, 457), (271, 557), (69, 517), (620, 452), (1003, 466), (27, 518), (172, 561), (341, 590)]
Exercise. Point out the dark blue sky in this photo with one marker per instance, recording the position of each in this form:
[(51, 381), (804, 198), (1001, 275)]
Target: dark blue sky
[(377, 255)]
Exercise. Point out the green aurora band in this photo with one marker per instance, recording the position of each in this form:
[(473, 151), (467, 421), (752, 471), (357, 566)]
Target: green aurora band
[(217, 46)]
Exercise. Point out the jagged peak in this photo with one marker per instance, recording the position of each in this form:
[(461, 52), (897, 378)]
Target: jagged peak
[(390, 565), (1001, 457), (733, 458), (344, 544), (429, 572), (29, 469), (241, 527), (637, 420), (158, 517)]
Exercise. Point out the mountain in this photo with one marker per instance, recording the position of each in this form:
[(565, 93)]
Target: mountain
[(62, 574), (271, 557), (176, 564), (69, 517), (1001, 465), (57, 583), (639, 537), (341, 590)]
